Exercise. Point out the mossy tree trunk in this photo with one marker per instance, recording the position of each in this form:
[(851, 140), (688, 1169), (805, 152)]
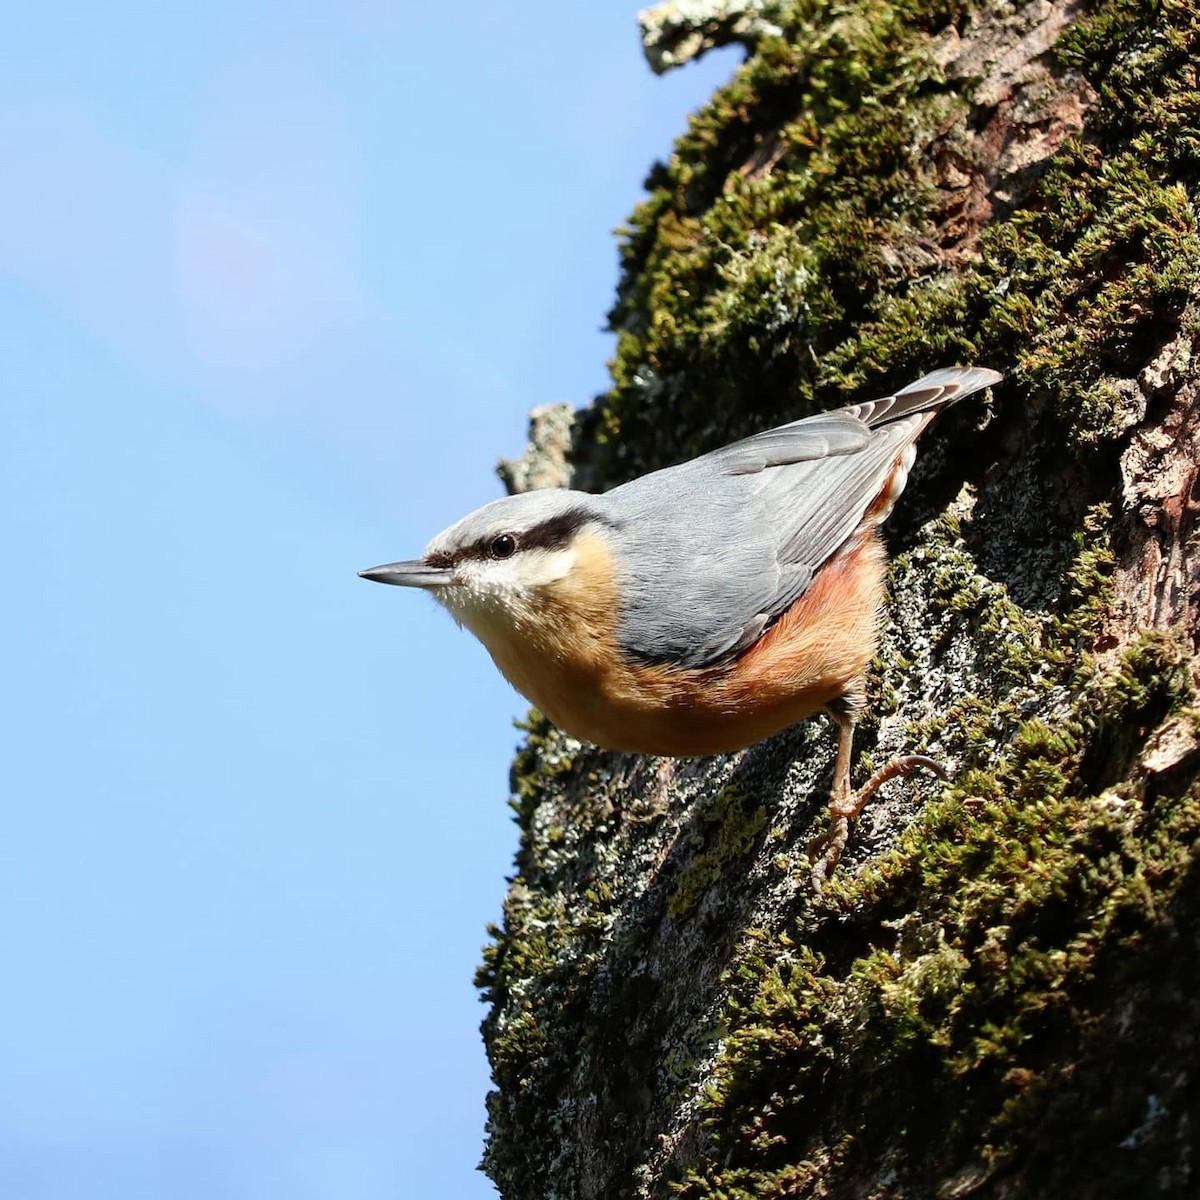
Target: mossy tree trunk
[(997, 994)]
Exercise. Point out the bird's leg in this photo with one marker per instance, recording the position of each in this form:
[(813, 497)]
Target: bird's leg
[(844, 805)]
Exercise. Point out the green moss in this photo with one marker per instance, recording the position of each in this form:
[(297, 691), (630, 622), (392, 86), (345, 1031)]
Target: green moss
[(732, 273), (1152, 681), (728, 830), (1105, 268)]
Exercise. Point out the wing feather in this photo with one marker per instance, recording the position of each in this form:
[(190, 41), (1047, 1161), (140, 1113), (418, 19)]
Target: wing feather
[(816, 437)]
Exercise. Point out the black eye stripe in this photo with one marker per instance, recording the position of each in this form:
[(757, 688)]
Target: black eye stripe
[(555, 533)]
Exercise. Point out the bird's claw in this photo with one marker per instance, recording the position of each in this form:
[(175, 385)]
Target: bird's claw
[(846, 807)]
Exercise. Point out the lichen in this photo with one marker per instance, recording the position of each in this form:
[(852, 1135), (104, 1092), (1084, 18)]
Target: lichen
[(673, 1011), (680, 31)]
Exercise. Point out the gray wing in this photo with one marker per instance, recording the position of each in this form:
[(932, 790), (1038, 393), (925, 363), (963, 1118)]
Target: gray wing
[(717, 548)]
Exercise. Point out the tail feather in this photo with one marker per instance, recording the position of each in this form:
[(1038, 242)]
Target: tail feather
[(931, 393)]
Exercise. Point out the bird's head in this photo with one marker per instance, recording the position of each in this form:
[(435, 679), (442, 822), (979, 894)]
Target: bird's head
[(511, 564)]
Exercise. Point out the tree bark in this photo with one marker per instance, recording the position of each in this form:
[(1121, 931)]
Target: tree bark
[(996, 995)]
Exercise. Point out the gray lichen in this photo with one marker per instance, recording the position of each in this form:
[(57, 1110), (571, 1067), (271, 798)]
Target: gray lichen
[(682, 30), (546, 461)]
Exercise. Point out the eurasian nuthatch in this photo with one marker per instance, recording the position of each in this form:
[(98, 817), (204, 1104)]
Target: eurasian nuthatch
[(704, 607)]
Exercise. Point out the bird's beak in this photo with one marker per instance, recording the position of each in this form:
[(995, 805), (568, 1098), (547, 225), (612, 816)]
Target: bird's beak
[(409, 574)]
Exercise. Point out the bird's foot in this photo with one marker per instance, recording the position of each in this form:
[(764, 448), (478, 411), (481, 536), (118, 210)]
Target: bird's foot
[(846, 806)]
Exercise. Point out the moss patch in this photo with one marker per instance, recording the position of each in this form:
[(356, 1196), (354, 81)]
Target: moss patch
[(729, 830)]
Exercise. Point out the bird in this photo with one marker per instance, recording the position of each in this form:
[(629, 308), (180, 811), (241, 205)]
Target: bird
[(701, 608)]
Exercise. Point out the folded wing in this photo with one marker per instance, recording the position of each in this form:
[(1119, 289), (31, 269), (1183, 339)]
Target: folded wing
[(727, 542)]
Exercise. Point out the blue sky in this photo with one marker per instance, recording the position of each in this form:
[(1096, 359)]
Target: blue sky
[(278, 284)]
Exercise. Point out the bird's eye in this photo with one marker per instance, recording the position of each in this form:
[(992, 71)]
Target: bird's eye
[(503, 546)]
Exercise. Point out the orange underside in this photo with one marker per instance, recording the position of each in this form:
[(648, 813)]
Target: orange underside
[(810, 657)]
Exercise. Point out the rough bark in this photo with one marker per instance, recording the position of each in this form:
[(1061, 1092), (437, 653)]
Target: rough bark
[(996, 995)]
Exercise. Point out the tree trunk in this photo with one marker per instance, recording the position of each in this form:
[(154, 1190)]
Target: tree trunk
[(998, 993)]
